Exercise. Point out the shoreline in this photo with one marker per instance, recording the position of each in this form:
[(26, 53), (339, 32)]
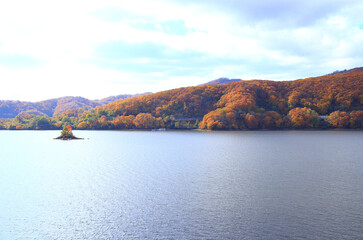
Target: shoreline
[(194, 129)]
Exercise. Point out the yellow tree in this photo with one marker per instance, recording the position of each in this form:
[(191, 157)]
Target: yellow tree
[(144, 120)]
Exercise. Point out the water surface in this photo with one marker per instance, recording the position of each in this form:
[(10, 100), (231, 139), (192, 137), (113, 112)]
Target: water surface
[(182, 185)]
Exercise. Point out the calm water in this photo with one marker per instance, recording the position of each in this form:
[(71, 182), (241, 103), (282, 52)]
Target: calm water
[(182, 185)]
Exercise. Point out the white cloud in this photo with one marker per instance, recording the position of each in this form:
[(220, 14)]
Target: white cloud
[(286, 44)]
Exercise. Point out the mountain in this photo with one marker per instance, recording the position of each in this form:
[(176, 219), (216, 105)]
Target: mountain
[(323, 94), (221, 81), (249, 104), (319, 102), (54, 107)]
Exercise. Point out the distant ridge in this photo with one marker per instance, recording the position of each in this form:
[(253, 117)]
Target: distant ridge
[(110, 99), (56, 106), (359, 69), (220, 81)]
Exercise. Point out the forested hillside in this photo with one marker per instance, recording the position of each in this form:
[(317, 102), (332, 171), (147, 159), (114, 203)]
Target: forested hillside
[(322, 102)]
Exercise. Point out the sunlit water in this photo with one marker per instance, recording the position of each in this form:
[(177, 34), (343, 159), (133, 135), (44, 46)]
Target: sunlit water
[(182, 185)]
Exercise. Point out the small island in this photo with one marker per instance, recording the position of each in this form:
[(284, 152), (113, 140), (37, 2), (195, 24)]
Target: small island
[(67, 134)]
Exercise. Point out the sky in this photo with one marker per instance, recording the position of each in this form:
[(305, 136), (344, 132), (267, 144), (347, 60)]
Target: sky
[(97, 49)]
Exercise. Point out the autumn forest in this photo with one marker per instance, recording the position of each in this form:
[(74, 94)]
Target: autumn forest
[(330, 101)]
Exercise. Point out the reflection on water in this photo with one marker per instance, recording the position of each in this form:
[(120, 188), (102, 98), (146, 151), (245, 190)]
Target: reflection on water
[(182, 185)]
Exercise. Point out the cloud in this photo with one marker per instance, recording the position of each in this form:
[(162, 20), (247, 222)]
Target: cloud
[(19, 61), (278, 13), (113, 47), (152, 58)]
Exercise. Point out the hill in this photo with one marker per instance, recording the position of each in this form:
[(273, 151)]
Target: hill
[(53, 107), (237, 105), (319, 102)]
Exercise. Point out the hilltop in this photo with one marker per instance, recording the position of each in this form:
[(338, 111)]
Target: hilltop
[(221, 81)]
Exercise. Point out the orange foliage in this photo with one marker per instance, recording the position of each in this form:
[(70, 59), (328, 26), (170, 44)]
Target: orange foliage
[(103, 122), (82, 125), (356, 119), (144, 120), (221, 118), (124, 122), (271, 120), (252, 104), (339, 119), (251, 121), (303, 118)]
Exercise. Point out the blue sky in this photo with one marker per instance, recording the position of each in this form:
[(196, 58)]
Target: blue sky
[(96, 49)]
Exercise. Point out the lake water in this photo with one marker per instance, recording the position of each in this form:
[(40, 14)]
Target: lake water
[(182, 185)]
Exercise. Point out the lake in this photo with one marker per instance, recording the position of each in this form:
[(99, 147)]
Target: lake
[(182, 185)]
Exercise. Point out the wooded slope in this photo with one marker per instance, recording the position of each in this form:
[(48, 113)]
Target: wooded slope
[(228, 106), (334, 100)]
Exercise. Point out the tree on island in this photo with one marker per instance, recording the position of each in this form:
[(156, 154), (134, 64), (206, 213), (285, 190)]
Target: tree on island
[(67, 134)]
